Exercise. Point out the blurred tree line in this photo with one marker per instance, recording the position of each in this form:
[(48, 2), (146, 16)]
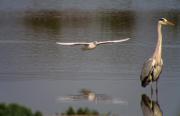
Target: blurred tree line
[(16, 110)]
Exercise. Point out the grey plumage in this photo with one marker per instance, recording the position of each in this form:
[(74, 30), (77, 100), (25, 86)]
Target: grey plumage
[(151, 71)]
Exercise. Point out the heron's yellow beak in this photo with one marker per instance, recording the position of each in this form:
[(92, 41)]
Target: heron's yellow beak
[(170, 23)]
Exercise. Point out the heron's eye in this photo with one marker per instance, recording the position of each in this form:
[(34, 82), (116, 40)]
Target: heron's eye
[(161, 19)]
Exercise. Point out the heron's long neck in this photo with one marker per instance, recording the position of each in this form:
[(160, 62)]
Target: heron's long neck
[(158, 50)]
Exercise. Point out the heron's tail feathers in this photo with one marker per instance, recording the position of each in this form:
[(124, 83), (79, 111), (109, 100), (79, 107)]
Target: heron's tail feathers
[(145, 82)]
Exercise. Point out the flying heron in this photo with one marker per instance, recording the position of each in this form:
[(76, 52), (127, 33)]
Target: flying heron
[(91, 45), (152, 68)]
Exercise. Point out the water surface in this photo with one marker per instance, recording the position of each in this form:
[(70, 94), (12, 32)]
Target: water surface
[(36, 72)]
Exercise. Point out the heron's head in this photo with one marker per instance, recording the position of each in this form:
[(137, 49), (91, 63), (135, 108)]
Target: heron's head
[(164, 21)]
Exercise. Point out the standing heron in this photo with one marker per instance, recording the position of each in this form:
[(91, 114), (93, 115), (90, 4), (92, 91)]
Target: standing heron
[(152, 68)]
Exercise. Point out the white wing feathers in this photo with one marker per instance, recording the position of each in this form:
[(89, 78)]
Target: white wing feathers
[(113, 41), (71, 44), (87, 43)]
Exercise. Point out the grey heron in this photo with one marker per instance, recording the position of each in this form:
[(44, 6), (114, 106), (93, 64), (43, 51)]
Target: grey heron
[(91, 45), (152, 68)]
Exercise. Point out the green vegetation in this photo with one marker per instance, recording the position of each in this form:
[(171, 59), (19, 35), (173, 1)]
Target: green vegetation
[(80, 111), (70, 111), (16, 110)]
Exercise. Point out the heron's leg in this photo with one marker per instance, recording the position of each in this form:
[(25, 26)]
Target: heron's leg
[(151, 89), (151, 93), (157, 90), (156, 86)]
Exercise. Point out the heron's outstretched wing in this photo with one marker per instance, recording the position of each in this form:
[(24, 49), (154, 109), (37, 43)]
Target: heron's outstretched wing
[(113, 41), (72, 43), (147, 68)]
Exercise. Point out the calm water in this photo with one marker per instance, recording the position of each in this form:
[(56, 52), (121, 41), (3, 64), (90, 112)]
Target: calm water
[(35, 71)]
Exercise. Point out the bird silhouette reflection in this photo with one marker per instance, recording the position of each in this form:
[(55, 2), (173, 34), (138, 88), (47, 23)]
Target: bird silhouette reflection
[(150, 107), (89, 95)]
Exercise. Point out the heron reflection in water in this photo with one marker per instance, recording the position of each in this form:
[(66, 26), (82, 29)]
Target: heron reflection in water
[(152, 68), (91, 45), (89, 95), (150, 107)]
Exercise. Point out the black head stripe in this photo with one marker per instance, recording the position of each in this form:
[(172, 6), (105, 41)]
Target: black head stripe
[(161, 19)]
